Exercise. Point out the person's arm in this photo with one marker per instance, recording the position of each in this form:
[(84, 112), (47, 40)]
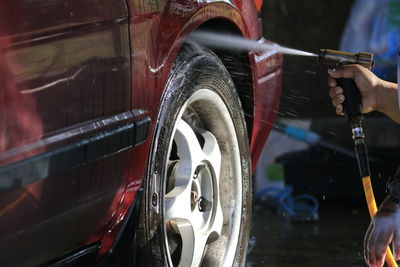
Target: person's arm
[(389, 103), (382, 96), (376, 94)]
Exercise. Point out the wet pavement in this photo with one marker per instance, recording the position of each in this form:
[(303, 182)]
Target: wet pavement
[(335, 240)]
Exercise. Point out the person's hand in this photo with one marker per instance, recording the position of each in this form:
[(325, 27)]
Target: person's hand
[(383, 230), (365, 80)]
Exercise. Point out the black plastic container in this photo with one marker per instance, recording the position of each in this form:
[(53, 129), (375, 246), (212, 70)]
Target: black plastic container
[(332, 176)]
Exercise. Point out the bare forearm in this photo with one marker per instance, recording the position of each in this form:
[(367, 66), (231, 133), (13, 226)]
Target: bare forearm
[(388, 102)]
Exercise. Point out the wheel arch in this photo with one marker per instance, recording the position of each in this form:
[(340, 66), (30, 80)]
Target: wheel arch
[(238, 64), (259, 78)]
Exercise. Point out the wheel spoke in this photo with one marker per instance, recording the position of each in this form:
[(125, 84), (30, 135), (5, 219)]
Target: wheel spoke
[(193, 242), (213, 156), (190, 156), (190, 153)]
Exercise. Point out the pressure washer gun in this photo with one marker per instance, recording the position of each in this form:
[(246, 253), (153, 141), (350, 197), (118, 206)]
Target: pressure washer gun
[(352, 105), (353, 110)]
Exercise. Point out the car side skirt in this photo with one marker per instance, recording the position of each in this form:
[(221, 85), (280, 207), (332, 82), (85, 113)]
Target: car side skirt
[(117, 133)]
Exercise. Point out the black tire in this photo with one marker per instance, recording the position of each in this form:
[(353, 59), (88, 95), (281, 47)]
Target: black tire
[(197, 71)]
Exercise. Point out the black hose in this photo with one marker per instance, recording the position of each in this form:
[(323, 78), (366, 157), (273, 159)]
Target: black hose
[(362, 157)]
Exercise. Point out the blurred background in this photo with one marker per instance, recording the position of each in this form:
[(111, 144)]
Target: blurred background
[(332, 234)]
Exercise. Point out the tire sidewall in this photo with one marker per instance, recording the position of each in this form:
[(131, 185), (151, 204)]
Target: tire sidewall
[(195, 69)]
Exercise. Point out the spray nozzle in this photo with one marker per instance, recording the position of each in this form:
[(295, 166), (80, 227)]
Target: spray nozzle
[(333, 58)]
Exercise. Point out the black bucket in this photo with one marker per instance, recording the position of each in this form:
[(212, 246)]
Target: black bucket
[(329, 175)]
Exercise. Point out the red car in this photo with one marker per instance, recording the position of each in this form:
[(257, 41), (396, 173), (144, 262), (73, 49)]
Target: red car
[(121, 140)]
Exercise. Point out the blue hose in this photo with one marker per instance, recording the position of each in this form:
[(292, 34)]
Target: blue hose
[(302, 207)]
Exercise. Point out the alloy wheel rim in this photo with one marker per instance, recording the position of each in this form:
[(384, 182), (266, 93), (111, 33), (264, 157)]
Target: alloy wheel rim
[(196, 211)]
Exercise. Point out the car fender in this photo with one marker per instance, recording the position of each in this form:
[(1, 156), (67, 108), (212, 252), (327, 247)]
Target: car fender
[(157, 33)]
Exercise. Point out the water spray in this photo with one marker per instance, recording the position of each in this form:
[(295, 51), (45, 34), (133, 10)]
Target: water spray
[(235, 42), (352, 104)]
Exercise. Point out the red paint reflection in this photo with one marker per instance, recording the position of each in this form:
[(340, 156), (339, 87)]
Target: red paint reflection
[(19, 122), (19, 125)]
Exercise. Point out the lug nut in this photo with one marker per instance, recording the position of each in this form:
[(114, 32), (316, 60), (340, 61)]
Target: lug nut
[(204, 204)]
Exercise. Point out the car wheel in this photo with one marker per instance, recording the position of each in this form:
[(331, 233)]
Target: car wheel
[(197, 194)]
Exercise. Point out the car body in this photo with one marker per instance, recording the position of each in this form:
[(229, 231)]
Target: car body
[(80, 90)]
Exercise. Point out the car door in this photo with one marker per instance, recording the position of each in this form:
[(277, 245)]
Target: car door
[(65, 124)]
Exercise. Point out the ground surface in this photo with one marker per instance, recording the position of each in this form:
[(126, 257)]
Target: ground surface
[(335, 240)]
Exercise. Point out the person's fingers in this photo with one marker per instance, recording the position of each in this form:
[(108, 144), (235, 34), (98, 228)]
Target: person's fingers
[(371, 249), (348, 71), (331, 82), (396, 245), (382, 237), (381, 250), (338, 112), (336, 94), (339, 109), (366, 238), (372, 242), (340, 99), (381, 259), (338, 90), (334, 91)]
